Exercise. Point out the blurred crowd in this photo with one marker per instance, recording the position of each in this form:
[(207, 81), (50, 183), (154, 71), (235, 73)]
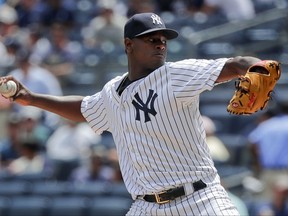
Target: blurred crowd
[(57, 33), (266, 150), (71, 152), (40, 43)]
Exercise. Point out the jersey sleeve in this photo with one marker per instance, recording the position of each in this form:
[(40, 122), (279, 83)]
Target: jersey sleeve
[(191, 77), (94, 112)]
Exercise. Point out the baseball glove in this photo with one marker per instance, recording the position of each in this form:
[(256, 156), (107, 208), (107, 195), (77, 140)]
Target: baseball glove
[(253, 91)]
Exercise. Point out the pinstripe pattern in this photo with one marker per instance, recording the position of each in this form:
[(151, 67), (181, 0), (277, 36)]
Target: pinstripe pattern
[(211, 201), (170, 149)]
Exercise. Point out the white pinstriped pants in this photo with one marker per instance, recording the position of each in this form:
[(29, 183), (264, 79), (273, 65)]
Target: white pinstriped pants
[(210, 201)]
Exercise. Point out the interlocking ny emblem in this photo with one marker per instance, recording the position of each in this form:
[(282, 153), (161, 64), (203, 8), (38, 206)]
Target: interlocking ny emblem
[(156, 19), (140, 105)]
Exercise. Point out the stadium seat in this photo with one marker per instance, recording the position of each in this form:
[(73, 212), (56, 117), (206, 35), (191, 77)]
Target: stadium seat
[(50, 188), (109, 206), (89, 189), (4, 205), (118, 190), (13, 188), (237, 147), (72, 206), (35, 177), (27, 205)]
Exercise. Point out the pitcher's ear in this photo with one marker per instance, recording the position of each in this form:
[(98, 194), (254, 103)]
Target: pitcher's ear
[(128, 44)]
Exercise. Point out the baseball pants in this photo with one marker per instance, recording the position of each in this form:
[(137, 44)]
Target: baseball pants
[(212, 200)]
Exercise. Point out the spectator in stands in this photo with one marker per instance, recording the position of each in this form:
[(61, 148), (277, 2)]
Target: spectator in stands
[(28, 12), (38, 79), (6, 61), (37, 43), (234, 10), (278, 206), (32, 160), (32, 126), (8, 49), (9, 32), (165, 5), (140, 6), (201, 15), (114, 163), (220, 155), (193, 6), (269, 150), (106, 27), (70, 147), (62, 52), (55, 11), (10, 144), (96, 170), (9, 24), (22, 125), (219, 152)]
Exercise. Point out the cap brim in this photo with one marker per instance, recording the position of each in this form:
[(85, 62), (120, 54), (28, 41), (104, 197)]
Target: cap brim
[(169, 33)]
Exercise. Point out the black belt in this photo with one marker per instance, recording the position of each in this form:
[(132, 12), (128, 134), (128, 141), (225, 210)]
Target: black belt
[(173, 193)]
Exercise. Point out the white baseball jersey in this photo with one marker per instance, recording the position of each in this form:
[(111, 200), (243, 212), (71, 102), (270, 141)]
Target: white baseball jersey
[(157, 126)]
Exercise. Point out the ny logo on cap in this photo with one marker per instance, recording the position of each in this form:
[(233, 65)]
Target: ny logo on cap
[(156, 19)]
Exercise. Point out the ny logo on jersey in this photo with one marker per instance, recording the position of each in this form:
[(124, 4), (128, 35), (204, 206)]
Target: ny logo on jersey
[(156, 19), (140, 105)]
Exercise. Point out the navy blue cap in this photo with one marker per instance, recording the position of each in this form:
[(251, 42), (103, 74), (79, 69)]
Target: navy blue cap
[(145, 23)]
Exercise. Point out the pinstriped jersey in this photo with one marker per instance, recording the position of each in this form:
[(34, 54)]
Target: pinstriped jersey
[(156, 125)]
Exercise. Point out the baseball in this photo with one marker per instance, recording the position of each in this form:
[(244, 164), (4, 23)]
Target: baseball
[(8, 89)]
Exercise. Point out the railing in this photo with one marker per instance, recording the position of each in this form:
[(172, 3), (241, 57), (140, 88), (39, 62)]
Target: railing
[(232, 27)]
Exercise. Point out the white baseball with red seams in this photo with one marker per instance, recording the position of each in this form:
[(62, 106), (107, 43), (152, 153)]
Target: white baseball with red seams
[(8, 89)]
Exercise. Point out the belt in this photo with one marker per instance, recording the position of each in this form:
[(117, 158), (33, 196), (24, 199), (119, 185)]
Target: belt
[(173, 193)]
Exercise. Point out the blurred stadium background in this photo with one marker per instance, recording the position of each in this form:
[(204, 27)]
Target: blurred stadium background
[(201, 36)]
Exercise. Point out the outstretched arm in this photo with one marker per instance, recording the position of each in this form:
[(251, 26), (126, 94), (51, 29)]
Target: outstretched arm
[(236, 67), (68, 107)]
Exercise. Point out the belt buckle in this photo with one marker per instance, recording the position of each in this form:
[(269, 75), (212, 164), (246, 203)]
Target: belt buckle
[(158, 199)]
